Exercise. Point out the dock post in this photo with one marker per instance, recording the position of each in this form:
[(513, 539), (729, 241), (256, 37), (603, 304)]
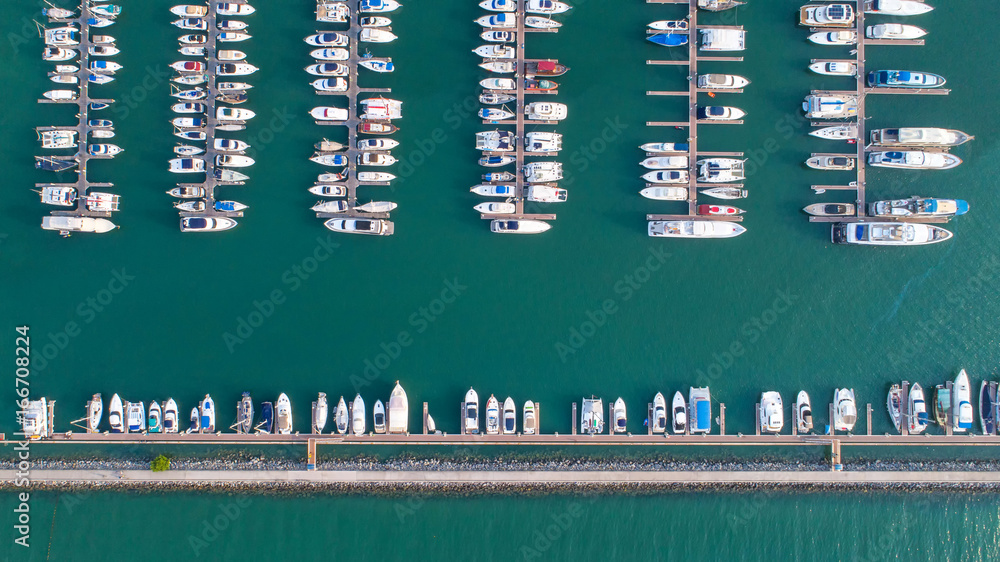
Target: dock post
[(313, 422), (461, 414), (795, 421), (869, 418), (904, 410), (311, 454), (948, 422), (425, 418), (350, 417), (833, 428), (722, 418), (649, 418), (756, 423), (573, 421), (538, 418)]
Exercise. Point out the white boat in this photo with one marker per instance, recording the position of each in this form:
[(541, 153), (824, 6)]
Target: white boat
[(105, 66), (376, 207), (722, 39), (835, 68), (381, 109), (830, 107), (658, 422), (35, 420), (541, 193), (377, 6), (377, 65), (329, 159), (328, 39), (378, 417), (496, 208), (187, 165), (538, 22), (471, 408), (700, 401), (189, 11), (620, 421), (894, 31), (62, 36), (496, 141), (498, 21), (669, 25), (896, 7), (330, 84), (546, 7), (58, 13), (195, 206), (135, 417), (339, 206), (77, 224), (665, 193), (841, 163), (377, 144), (529, 419), (324, 113), (358, 416), (103, 51), (592, 416), (283, 415), (695, 229), (334, 54), (842, 37), (830, 209), (321, 410), (229, 145), (334, 12), (521, 226), (495, 51), (191, 24), (116, 415), (232, 86), (95, 409), (399, 410), (328, 69), (887, 234), (375, 177), (375, 159), (772, 414), (232, 36), (233, 114), (61, 95), (913, 160), (845, 410), (919, 136), (171, 421), (187, 192), (542, 142), (341, 417), (720, 113), (542, 172), (62, 196), (498, 5), (234, 9), (961, 403), (194, 421), (206, 224), (58, 139), (666, 163), (826, 15), (99, 78), (667, 176), (58, 54), (837, 132), (498, 36), (665, 147), (191, 79), (918, 417), (198, 51), (376, 35), (722, 82), (230, 25), (372, 227), (230, 55), (803, 413), (192, 39), (375, 21), (492, 416), (546, 111), (208, 415), (235, 69), (188, 107), (328, 190), (498, 84)]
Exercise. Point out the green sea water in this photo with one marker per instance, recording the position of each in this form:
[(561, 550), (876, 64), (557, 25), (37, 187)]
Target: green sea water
[(778, 308)]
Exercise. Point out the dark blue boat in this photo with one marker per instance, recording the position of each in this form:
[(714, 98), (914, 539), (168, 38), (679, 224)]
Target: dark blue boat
[(266, 417), (54, 164), (669, 39)]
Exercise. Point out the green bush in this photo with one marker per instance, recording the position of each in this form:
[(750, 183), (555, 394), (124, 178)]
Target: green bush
[(160, 464)]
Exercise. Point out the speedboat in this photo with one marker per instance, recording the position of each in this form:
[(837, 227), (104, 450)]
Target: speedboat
[(498, 84), (399, 410), (537, 22), (498, 5), (904, 79), (496, 208), (721, 82), (235, 69), (135, 414), (234, 9), (375, 159), (193, 39), (190, 79), (335, 54), (894, 31), (667, 176), (232, 146), (678, 414), (547, 7), (545, 111), (377, 6), (509, 417), (701, 409), (328, 190), (720, 113), (375, 21), (376, 35), (665, 147), (522, 226), (620, 421), (378, 417), (341, 416), (244, 414), (283, 415), (830, 107), (377, 144), (329, 39), (328, 69), (896, 7), (106, 10), (116, 415), (918, 207), (919, 136), (376, 207), (338, 206), (232, 86), (669, 39), (171, 421), (725, 192), (831, 162), (695, 229), (206, 224), (826, 15), (99, 78), (961, 403), (95, 409), (529, 419), (845, 410), (230, 25), (835, 68), (913, 160), (722, 39), (471, 409), (842, 37), (541, 193), (194, 192), (492, 114), (494, 51), (666, 163), (34, 418), (659, 420), (154, 423), (196, 206), (320, 412), (894, 403), (358, 416), (669, 25), (324, 113), (496, 161), (987, 407), (888, 234), (233, 160), (719, 210), (830, 209), (498, 21), (837, 132), (498, 36), (663, 193), (195, 421), (373, 227), (917, 419), (189, 11), (192, 94), (803, 413), (592, 416), (377, 65), (61, 95), (772, 414), (499, 177)]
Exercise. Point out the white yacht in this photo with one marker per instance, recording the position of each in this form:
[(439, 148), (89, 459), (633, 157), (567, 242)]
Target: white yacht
[(772, 414), (659, 420), (116, 415), (842, 37), (888, 233), (620, 421), (545, 111), (371, 227), (77, 224), (845, 410), (835, 68), (171, 421), (830, 107), (471, 421), (894, 31), (913, 160), (666, 163), (543, 142), (961, 403), (542, 172), (325, 113), (695, 229), (667, 176), (509, 419), (919, 136), (520, 226), (546, 7), (358, 416), (381, 109), (378, 417), (320, 413), (206, 224), (592, 416), (837, 132), (722, 39), (495, 51), (700, 401), (492, 416), (328, 39), (803, 413), (529, 420), (496, 208), (678, 414), (826, 15), (341, 417), (918, 418), (399, 410), (187, 165), (330, 54), (665, 193), (720, 113), (35, 419), (135, 416), (897, 7), (542, 193), (376, 35), (721, 82), (283, 415), (207, 415)]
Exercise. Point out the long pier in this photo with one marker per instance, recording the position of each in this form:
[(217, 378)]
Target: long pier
[(693, 122), (83, 101)]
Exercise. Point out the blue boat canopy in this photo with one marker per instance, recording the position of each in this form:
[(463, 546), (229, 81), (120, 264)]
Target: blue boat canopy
[(704, 411), (962, 207), (669, 39)]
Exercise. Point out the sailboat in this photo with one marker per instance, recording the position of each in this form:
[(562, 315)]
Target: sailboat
[(266, 418), (244, 414), (95, 408), (341, 416), (894, 403)]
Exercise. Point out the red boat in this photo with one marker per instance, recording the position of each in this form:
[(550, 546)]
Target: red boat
[(375, 128), (546, 68), (719, 210), (188, 66)]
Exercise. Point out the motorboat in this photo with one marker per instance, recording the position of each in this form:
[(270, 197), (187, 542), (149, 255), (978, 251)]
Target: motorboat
[(116, 415), (678, 414), (961, 403), (888, 234), (542, 142), (542, 172), (665, 193), (506, 84), (722, 39), (193, 39), (725, 192), (667, 176), (330, 54), (187, 192), (190, 79), (375, 177), (894, 403), (233, 160), (592, 416), (498, 21), (234, 9), (847, 132), (835, 68), (496, 141), (188, 107), (913, 160), (545, 68), (233, 114), (498, 36), (827, 15), (542, 193), (198, 51), (135, 416), (207, 415), (374, 227), (334, 12), (103, 50), (987, 408), (496, 98), (718, 210), (108, 150), (99, 78), (66, 225), (329, 159), (324, 190), (341, 417), (102, 40), (831, 162), (620, 417), (324, 113), (918, 207), (658, 422), (545, 111), (58, 54), (328, 69), (328, 39), (894, 31), (830, 107), (381, 109), (375, 21), (195, 206), (194, 421), (358, 416), (62, 37), (105, 66), (721, 82), (720, 113), (918, 137), (499, 177), (830, 209), (496, 208), (230, 55), (232, 86), (283, 415), (377, 65), (58, 13), (399, 410), (669, 25), (669, 39), (845, 410), (375, 159), (235, 69), (191, 24), (105, 10), (232, 36), (187, 165), (772, 414), (803, 413), (917, 418), (470, 425), (206, 224), (842, 37), (377, 6), (496, 161), (719, 5), (230, 145), (499, 5), (189, 11), (700, 401), (546, 7), (376, 35), (327, 145), (521, 226), (188, 66), (171, 421), (942, 404), (533, 85), (378, 417), (666, 163), (492, 416), (896, 7), (62, 196), (493, 114), (376, 207), (338, 206), (61, 95), (904, 79), (495, 51), (95, 409), (377, 144), (370, 128), (538, 22), (695, 229), (230, 25), (499, 66), (244, 414)]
